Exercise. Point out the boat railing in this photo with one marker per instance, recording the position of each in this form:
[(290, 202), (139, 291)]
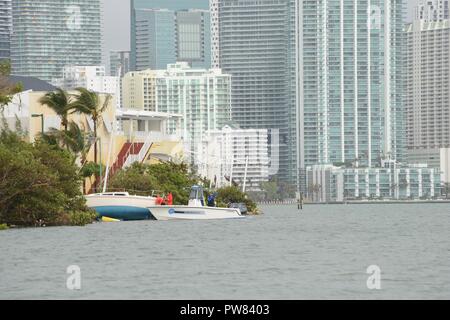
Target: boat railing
[(131, 192)]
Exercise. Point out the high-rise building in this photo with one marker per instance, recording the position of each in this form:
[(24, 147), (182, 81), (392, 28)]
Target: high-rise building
[(193, 37), (142, 23), (432, 10), (254, 41), (174, 5), (119, 63), (5, 28), (155, 39), (427, 90), (200, 96), (215, 34), (350, 87), (119, 66), (51, 34)]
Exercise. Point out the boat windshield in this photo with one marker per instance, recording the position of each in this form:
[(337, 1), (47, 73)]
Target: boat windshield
[(196, 193)]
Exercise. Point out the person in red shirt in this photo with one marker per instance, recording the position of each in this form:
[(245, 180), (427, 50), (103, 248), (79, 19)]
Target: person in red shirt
[(159, 201), (169, 199)]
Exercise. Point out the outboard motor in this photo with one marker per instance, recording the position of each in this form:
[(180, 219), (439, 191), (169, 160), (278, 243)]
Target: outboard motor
[(197, 197)]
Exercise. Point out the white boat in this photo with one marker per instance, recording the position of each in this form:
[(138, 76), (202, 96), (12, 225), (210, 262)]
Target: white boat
[(165, 213), (195, 210), (121, 206)]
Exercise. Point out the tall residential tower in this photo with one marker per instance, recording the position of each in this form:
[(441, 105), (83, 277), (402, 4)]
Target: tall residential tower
[(5, 28), (428, 86), (254, 41), (51, 34), (350, 89)]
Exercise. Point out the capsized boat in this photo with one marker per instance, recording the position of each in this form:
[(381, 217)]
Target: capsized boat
[(121, 206), (195, 210)]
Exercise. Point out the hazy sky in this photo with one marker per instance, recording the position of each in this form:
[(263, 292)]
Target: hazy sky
[(117, 23)]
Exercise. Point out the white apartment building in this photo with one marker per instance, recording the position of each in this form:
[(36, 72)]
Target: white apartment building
[(427, 103), (93, 78), (202, 97), (328, 183), (241, 155)]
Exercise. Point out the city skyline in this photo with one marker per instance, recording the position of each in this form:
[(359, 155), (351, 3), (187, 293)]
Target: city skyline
[(117, 23)]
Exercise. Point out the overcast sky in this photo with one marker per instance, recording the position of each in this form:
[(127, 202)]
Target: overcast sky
[(117, 23)]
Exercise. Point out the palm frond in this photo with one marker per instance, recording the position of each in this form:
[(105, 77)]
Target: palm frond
[(59, 101)]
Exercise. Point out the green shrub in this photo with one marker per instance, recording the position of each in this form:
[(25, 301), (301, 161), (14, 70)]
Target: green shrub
[(40, 184), (82, 218), (229, 195), (158, 178), (3, 227)]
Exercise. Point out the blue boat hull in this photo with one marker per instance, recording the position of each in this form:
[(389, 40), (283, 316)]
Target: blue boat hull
[(124, 213)]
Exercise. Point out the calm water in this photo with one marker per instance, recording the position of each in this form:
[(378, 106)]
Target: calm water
[(321, 254)]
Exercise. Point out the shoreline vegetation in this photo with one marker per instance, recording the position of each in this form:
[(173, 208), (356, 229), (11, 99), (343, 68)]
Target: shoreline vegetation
[(43, 184)]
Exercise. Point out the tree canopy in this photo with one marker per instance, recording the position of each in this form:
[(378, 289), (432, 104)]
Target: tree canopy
[(39, 184), (7, 89), (156, 179)]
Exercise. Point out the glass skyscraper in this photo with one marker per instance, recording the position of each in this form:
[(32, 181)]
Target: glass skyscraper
[(51, 34), (174, 5), (193, 37), (254, 41), (5, 28), (155, 39), (350, 89), (158, 39)]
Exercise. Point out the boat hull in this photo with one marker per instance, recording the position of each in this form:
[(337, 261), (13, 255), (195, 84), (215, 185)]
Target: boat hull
[(125, 208), (165, 213)]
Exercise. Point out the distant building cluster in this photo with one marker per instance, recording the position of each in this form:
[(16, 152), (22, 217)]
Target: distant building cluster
[(201, 96), (360, 100), (166, 32)]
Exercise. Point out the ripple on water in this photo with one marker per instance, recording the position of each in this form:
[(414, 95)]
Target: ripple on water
[(322, 253)]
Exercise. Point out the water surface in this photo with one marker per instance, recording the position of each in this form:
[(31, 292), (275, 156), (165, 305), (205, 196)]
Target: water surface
[(322, 253)]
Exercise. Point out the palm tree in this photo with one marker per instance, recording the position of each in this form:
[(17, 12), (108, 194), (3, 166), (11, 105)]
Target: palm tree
[(74, 139), (89, 103), (60, 102), (77, 140)]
